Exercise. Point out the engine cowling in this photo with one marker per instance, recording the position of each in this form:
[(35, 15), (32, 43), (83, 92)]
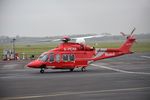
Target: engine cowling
[(80, 40)]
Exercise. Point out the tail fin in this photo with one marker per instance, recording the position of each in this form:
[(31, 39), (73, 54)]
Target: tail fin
[(126, 47)]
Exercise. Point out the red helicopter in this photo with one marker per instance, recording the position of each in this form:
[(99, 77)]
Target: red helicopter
[(71, 55)]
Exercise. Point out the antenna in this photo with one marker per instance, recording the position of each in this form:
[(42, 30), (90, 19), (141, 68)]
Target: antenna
[(13, 47)]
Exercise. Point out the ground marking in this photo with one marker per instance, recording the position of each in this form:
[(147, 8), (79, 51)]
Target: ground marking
[(119, 70), (74, 93), (146, 57)]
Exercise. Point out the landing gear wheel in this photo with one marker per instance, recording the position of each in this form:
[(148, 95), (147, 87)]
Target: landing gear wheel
[(42, 70), (71, 69), (83, 69)]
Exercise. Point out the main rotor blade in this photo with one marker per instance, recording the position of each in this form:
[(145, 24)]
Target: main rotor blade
[(93, 36)]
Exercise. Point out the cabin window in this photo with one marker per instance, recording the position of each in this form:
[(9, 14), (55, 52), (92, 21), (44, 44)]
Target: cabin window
[(65, 57), (71, 57), (57, 57), (68, 57), (51, 57), (43, 57)]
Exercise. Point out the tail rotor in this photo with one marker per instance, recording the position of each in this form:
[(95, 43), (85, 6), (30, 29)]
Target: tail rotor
[(123, 34), (127, 36)]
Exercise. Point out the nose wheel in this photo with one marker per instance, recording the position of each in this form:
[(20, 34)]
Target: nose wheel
[(42, 70)]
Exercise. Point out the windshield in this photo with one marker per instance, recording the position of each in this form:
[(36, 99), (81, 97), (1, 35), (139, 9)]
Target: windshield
[(43, 57)]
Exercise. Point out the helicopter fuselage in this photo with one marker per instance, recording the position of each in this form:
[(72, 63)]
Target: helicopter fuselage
[(67, 55)]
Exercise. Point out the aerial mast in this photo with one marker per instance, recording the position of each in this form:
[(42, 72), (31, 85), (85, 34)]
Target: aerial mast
[(13, 48)]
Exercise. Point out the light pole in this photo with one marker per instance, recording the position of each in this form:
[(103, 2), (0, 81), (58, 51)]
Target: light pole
[(13, 46)]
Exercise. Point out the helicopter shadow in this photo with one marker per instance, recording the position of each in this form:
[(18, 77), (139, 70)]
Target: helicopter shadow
[(88, 71)]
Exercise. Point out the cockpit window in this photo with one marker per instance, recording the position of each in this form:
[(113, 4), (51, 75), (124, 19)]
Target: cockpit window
[(43, 57)]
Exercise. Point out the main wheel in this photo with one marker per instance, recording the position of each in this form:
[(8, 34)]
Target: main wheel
[(71, 69), (83, 69), (42, 70)]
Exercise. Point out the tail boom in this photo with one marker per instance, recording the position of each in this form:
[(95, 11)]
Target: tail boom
[(125, 48)]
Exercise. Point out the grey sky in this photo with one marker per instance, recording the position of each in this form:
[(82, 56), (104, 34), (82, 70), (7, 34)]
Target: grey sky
[(63, 17)]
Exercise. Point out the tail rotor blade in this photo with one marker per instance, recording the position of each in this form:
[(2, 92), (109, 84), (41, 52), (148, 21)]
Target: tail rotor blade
[(133, 30), (123, 34)]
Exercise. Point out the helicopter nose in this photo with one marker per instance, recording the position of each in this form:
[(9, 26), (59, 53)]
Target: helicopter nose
[(30, 65), (34, 64)]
